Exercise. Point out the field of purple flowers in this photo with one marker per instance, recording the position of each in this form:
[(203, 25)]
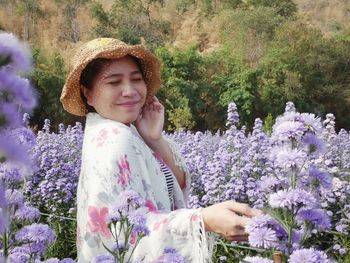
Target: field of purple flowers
[(298, 174)]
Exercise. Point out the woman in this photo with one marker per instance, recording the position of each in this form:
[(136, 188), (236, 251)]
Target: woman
[(114, 84)]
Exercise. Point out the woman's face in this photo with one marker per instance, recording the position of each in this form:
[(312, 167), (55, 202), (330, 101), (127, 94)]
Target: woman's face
[(118, 91)]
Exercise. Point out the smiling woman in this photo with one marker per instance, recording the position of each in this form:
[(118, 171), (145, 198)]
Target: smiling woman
[(124, 151)]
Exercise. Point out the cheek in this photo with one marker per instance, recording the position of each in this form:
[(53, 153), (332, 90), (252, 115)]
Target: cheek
[(143, 90)]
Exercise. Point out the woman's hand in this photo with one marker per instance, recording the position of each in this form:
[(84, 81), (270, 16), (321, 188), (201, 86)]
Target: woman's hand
[(228, 219), (151, 121)]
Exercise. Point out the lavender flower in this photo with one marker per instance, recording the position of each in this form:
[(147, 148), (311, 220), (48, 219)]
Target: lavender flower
[(14, 198), (27, 213), (308, 255), (170, 255), (257, 260), (103, 259), (37, 235), (313, 144), (320, 178), (263, 237), (17, 53), (292, 198), (317, 217)]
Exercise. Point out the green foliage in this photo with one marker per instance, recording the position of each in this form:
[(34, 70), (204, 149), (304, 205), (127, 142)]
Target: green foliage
[(304, 67), (193, 99), (130, 21), (207, 7), (48, 78), (65, 244), (268, 123), (241, 87), (246, 33), (285, 8), (183, 5)]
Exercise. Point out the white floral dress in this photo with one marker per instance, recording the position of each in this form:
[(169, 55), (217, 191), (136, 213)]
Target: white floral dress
[(114, 159)]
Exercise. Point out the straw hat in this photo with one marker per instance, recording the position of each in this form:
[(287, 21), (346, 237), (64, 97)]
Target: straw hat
[(109, 48)]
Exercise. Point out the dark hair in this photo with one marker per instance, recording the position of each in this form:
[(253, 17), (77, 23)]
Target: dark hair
[(91, 71)]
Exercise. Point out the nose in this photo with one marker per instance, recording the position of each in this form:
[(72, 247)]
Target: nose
[(128, 89)]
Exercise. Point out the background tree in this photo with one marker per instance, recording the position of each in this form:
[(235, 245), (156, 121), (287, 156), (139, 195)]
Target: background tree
[(48, 79), (303, 66), (131, 21), (30, 11), (70, 26)]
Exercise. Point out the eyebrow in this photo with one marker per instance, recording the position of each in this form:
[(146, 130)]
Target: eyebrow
[(120, 75)]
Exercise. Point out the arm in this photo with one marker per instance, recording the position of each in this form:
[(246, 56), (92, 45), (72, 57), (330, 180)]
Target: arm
[(150, 126), (162, 148)]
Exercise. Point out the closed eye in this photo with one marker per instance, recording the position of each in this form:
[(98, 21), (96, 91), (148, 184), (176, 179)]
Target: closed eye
[(114, 82)]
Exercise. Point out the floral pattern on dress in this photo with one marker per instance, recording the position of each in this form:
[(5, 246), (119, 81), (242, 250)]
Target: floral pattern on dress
[(97, 221), (123, 161), (124, 171)]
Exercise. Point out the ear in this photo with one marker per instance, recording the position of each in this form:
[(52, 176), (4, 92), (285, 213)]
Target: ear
[(87, 94)]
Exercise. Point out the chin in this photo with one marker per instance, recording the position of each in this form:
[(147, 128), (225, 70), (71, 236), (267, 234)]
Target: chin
[(126, 120)]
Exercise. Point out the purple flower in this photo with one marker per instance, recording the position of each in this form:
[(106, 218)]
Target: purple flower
[(290, 107), (3, 221), (3, 201), (317, 217), (67, 260), (222, 258), (137, 217), (288, 130), (308, 255), (170, 255), (17, 91), (27, 213), (52, 260), (12, 176), (257, 260), (263, 237), (18, 52), (313, 144), (108, 258), (14, 198), (37, 235), (285, 156), (320, 178), (292, 198), (232, 115), (11, 150), (132, 197), (18, 257)]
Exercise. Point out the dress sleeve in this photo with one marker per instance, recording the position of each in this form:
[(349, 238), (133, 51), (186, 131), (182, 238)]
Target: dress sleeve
[(115, 161)]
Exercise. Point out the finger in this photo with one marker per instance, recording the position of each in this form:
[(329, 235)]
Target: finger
[(244, 209), (239, 224), (239, 238)]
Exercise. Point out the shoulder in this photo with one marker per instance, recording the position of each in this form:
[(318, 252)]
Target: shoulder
[(104, 134)]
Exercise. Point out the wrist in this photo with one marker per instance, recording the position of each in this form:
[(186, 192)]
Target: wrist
[(205, 220), (155, 143)]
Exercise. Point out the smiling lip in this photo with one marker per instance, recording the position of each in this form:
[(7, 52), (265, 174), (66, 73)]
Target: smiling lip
[(128, 104)]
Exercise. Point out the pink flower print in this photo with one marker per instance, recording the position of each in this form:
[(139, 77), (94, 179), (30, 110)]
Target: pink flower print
[(97, 221), (195, 218), (132, 239), (102, 136), (124, 171), (115, 130), (159, 223), (151, 207)]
